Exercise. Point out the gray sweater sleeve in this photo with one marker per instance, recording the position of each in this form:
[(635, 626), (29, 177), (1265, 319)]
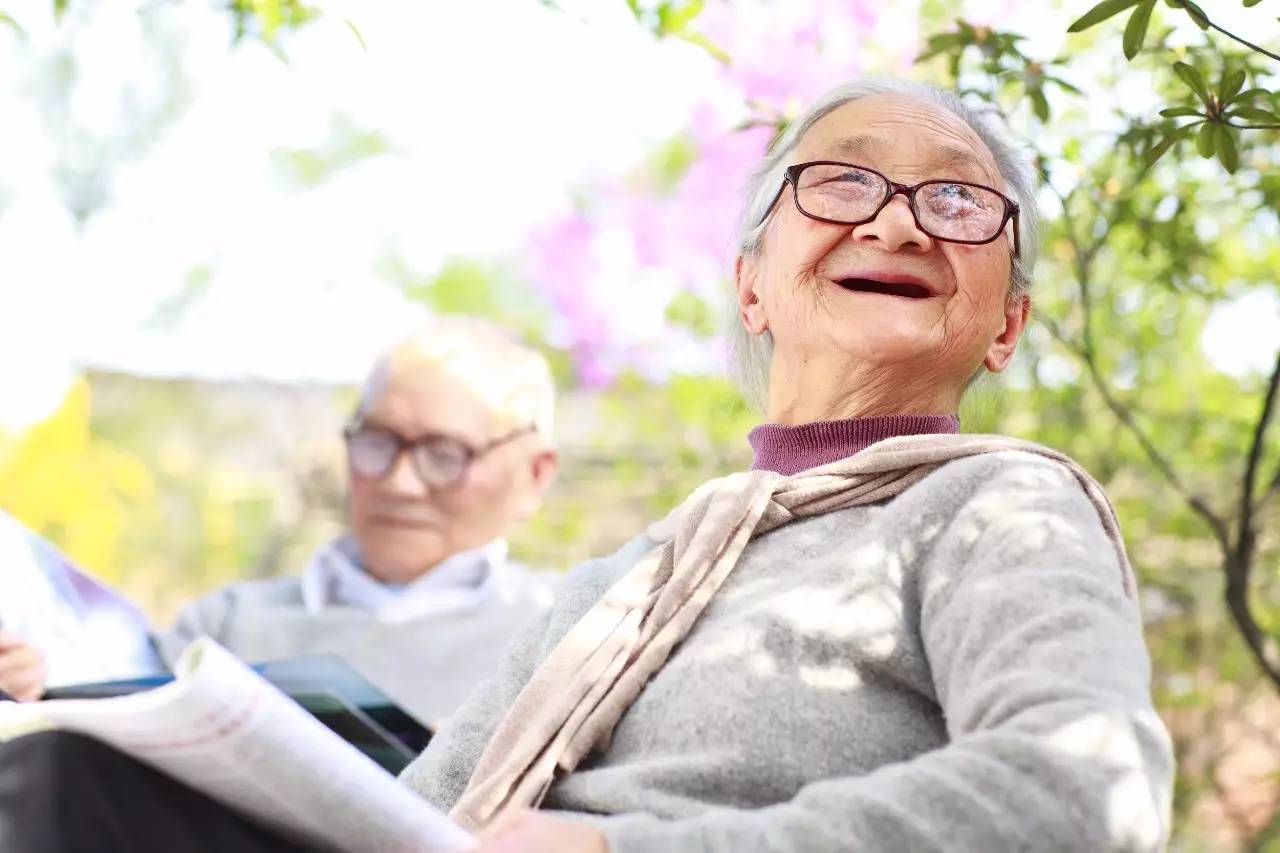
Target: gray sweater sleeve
[(207, 616), (441, 772), (1039, 665)]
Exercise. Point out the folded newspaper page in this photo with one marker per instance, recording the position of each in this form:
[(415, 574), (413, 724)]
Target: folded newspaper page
[(86, 630), (223, 730)]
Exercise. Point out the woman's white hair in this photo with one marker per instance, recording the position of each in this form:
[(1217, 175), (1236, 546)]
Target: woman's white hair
[(750, 355)]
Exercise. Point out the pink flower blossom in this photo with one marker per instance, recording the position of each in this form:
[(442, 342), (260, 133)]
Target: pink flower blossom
[(783, 55)]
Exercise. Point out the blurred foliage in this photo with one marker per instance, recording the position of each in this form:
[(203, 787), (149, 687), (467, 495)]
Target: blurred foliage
[(673, 19), (73, 485), (347, 145)]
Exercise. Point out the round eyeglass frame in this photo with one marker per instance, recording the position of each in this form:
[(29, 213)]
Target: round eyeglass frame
[(402, 444), (792, 176)]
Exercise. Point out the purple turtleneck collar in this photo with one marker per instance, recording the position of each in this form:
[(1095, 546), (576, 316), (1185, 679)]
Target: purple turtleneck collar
[(791, 449)]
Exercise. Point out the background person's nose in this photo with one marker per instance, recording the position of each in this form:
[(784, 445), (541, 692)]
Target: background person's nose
[(403, 478)]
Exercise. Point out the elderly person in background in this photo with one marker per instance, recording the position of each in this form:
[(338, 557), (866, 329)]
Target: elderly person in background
[(936, 646), (449, 448)]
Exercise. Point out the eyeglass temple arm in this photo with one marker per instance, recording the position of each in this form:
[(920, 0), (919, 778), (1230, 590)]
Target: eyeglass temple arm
[(786, 179)]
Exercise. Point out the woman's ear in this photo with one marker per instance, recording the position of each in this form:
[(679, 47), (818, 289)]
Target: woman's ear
[(746, 276), (1016, 312)]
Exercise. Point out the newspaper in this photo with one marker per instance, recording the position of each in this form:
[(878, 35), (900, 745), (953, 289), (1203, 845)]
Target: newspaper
[(223, 730)]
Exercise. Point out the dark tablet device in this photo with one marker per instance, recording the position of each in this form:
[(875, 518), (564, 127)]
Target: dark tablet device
[(356, 728), (331, 674), (328, 687)]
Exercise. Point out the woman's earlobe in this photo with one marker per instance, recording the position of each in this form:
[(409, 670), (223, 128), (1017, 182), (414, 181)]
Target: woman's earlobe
[(1000, 353), (750, 309)]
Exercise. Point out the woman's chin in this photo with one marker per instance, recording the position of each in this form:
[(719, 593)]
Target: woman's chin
[(888, 343)]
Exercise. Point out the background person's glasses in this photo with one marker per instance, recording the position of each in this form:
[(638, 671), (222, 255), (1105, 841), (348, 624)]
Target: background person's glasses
[(440, 461), (845, 194)]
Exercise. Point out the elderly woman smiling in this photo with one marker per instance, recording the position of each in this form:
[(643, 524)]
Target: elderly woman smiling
[(887, 635)]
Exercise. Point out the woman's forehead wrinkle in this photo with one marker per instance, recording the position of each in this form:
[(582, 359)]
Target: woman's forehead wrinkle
[(954, 148)]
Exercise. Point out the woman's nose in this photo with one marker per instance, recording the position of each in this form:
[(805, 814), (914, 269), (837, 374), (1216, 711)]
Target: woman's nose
[(895, 227)]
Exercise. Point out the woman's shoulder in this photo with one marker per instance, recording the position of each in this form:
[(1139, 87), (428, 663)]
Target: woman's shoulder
[(585, 584), (1019, 468), (1015, 482), (1021, 496)]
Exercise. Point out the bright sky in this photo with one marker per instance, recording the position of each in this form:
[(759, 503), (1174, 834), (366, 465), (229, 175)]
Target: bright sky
[(293, 292)]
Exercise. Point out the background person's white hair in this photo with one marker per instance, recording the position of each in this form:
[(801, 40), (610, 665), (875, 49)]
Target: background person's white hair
[(750, 355), (512, 378)]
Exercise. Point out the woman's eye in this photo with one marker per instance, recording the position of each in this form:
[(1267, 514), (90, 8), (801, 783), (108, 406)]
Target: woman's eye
[(953, 199), (851, 178)]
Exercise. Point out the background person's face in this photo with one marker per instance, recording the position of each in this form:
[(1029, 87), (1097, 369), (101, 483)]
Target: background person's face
[(799, 270), (404, 527)]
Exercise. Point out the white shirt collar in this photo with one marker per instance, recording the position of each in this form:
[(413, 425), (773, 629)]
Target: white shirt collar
[(334, 578)]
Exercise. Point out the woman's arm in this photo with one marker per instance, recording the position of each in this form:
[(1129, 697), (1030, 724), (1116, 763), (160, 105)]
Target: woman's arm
[(1039, 664)]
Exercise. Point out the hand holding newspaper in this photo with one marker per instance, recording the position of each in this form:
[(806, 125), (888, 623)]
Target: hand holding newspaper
[(223, 730)]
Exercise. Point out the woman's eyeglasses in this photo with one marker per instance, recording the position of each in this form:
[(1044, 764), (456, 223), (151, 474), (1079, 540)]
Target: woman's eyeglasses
[(845, 194)]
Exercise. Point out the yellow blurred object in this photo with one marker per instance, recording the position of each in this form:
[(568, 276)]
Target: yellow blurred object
[(72, 487)]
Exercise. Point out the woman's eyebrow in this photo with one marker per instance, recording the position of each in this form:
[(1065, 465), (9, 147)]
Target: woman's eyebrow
[(940, 159)]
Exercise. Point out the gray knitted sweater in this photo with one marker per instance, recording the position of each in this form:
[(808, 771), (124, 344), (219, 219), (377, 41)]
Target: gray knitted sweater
[(427, 664), (958, 668)]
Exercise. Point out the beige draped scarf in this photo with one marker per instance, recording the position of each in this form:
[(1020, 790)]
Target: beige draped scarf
[(574, 699)]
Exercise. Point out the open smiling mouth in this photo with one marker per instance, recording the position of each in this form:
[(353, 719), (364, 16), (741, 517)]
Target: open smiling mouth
[(904, 289)]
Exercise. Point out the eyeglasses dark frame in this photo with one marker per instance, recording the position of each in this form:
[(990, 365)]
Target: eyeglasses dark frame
[(471, 454), (792, 176)]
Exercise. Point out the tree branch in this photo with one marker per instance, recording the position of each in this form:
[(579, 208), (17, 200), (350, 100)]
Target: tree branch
[(1251, 126), (1084, 258), (1240, 564), (1264, 648), (1272, 490), (1125, 415), (1203, 19), (1247, 504)]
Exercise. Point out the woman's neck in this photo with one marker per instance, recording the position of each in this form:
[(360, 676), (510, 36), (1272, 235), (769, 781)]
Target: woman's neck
[(840, 392)]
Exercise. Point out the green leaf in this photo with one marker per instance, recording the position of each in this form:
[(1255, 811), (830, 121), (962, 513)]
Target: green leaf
[(1100, 13), (1064, 85), (696, 38), (1168, 142), (941, 43), (355, 31), (1207, 140), (1248, 3), (1197, 14), (59, 9), (672, 19), (269, 17), (949, 39), (1230, 86), (1135, 32), (1254, 114), (1180, 112), (1193, 78), (1039, 103), (6, 18), (1228, 154)]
